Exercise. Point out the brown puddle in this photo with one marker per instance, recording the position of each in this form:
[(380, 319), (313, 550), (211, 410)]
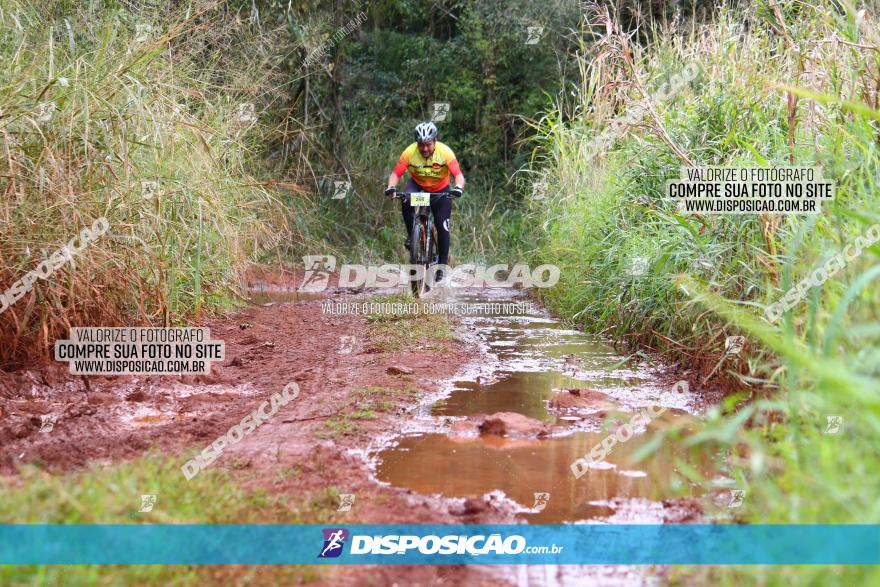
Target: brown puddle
[(527, 360), (261, 293)]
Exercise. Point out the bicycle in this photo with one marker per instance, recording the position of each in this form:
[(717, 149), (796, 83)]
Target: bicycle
[(423, 242)]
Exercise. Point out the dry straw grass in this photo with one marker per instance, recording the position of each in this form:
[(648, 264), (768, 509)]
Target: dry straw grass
[(98, 108)]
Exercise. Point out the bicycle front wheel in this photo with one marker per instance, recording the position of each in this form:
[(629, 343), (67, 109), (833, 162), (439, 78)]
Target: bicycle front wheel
[(419, 256)]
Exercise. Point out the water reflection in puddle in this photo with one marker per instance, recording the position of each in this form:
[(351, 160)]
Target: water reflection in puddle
[(523, 392), (525, 361), (262, 293)]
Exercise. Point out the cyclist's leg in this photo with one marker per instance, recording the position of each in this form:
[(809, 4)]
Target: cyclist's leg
[(442, 210), (411, 186)]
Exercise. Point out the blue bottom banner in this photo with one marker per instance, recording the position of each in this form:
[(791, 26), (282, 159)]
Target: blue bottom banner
[(439, 544)]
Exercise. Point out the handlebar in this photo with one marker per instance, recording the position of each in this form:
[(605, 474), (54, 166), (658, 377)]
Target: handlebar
[(444, 194)]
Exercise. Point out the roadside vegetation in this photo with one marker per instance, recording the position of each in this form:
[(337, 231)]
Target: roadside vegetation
[(209, 139), (112, 495), (142, 117), (363, 95), (780, 83), (211, 134)]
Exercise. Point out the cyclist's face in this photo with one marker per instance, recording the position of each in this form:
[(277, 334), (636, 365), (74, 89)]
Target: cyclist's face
[(427, 149)]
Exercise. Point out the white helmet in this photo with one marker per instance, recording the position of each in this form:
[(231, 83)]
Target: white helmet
[(426, 131)]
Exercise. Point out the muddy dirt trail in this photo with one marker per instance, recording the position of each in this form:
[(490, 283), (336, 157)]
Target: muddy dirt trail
[(482, 428)]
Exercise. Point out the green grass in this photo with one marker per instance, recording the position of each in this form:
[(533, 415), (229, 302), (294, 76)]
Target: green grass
[(387, 333), (338, 427), (365, 404), (384, 399), (112, 495), (711, 277), (407, 331)]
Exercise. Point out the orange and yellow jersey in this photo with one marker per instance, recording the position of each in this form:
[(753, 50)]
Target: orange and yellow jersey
[(432, 174)]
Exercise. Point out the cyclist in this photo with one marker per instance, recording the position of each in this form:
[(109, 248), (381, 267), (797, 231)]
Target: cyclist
[(430, 164)]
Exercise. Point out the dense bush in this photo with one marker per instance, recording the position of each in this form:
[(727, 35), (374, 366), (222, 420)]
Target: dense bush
[(133, 116), (807, 98)]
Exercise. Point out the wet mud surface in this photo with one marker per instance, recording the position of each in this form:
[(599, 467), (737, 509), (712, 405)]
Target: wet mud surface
[(536, 398), (434, 455)]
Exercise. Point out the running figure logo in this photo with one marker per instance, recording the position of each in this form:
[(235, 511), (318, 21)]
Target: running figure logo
[(147, 503), (317, 273), (441, 111), (334, 540), (541, 500), (341, 189), (833, 425), (733, 345), (534, 34)]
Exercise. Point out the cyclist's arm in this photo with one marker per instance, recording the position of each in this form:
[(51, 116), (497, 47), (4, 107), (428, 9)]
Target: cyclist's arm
[(393, 180), (399, 170), (457, 175)]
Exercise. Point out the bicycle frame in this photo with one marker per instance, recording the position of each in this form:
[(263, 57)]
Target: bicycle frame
[(423, 238)]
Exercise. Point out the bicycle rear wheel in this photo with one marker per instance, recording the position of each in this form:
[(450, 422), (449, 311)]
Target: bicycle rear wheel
[(431, 258)]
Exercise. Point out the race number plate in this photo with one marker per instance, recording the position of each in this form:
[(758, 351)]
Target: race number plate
[(420, 199)]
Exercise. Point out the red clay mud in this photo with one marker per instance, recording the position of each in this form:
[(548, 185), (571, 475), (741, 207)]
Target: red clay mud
[(64, 422), (108, 419)]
